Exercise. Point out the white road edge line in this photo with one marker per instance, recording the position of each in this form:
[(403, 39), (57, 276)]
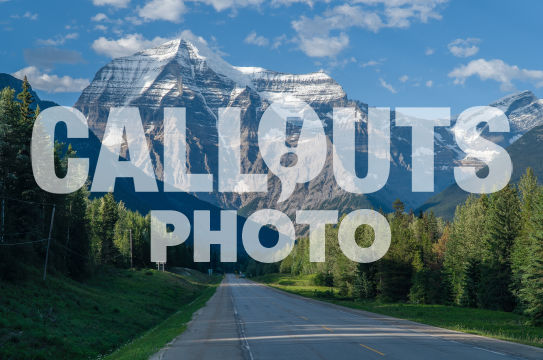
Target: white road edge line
[(492, 351)]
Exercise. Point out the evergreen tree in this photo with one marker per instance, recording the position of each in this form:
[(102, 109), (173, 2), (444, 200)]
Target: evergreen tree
[(472, 280), (395, 268), (78, 234), (502, 228), (17, 181), (398, 206), (521, 248), (465, 241), (364, 283), (109, 214), (531, 290), (26, 102)]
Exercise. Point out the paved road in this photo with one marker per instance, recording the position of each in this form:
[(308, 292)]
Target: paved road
[(245, 320)]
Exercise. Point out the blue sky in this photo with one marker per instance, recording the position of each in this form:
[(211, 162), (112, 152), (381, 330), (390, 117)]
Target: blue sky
[(383, 52)]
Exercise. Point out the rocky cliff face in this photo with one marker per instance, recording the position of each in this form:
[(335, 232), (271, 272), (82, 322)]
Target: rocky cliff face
[(180, 73)]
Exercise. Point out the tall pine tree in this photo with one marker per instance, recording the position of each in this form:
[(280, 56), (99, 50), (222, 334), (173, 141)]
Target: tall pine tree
[(531, 289), (502, 228), (109, 214), (26, 99), (521, 249)]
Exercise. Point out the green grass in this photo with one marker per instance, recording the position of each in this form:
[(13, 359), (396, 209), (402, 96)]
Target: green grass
[(155, 339), (65, 319), (496, 324)]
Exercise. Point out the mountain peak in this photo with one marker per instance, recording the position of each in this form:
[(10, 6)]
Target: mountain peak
[(523, 109), (511, 102), (188, 63), (169, 50)]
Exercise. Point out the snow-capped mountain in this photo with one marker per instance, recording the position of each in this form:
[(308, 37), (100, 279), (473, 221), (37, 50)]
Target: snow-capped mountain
[(524, 110), (183, 73)]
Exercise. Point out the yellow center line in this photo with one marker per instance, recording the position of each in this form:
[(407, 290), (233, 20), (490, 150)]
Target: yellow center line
[(324, 327), (372, 349)]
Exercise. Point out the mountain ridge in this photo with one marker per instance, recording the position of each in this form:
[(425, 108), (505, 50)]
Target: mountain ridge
[(524, 153), (7, 80), (181, 74)]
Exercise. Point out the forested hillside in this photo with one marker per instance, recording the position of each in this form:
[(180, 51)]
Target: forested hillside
[(78, 232), (84, 308), (490, 256), (525, 153)]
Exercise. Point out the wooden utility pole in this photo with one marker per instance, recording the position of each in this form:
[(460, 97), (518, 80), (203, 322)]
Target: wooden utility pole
[(3, 218), (48, 243), (68, 234), (131, 251)]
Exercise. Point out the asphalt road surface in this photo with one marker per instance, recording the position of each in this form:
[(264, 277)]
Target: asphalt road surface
[(245, 320)]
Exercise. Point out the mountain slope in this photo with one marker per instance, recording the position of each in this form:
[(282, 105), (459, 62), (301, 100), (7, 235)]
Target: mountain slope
[(186, 73), (7, 80), (525, 152), (176, 74)]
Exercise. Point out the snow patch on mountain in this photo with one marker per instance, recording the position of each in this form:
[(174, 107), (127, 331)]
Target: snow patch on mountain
[(524, 110)]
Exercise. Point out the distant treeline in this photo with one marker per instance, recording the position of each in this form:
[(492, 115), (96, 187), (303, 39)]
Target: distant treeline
[(86, 233), (490, 256)]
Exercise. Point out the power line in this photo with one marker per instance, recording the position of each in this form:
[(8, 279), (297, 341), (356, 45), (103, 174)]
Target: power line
[(23, 233), (23, 243), (69, 250), (26, 201)]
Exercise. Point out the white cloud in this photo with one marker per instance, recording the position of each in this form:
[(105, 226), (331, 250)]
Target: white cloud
[(371, 15), (26, 15), (404, 78), (114, 3), (58, 40), (315, 36), (322, 46), (372, 63), (169, 10), (134, 20), (339, 18), (387, 86), (257, 40), (429, 51), (429, 83), (220, 5), (51, 83), (400, 13), (464, 47), (496, 70), (99, 17), (278, 41), (124, 46), (290, 2), (31, 16), (100, 27), (341, 63)]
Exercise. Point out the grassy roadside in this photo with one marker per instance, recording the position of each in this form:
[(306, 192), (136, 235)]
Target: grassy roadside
[(64, 319), (496, 324), (155, 339)]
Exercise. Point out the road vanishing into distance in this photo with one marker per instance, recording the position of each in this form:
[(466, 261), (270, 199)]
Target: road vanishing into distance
[(246, 320)]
